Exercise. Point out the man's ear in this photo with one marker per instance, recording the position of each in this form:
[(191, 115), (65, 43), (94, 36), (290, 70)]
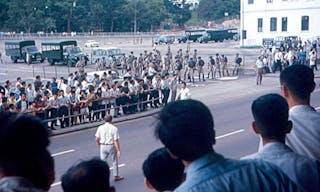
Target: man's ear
[(148, 184), (289, 127), (255, 128), (112, 189), (284, 91), (173, 156)]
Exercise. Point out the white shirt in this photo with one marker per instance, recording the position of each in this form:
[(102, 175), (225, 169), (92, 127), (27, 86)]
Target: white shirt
[(302, 170), (185, 94), (304, 138), (107, 133), (259, 64)]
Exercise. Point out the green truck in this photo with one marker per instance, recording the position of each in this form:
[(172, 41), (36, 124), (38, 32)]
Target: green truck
[(217, 35), (25, 50), (191, 35), (66, 52)]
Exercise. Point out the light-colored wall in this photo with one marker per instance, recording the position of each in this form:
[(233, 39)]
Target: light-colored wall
[(292, 9)]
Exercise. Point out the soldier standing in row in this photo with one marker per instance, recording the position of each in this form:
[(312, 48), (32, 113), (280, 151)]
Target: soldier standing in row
[(237, 64), (190, 71), (200, 68), (218, 64), (212, 68), (224, 62)]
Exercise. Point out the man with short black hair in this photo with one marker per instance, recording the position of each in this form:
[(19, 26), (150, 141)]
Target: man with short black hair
[(297, 84), (91, 175), (161, 171), (271, 114), (186, 129), (25, 162)]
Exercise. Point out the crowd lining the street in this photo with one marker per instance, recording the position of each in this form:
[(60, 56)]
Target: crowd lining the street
[(147, 81)]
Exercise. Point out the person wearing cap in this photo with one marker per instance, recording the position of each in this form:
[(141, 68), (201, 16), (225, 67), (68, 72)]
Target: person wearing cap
[(107, 138)]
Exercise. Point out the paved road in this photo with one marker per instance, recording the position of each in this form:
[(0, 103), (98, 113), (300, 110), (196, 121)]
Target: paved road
[(229, 102)]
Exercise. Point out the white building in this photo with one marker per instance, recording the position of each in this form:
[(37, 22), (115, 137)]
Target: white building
[(278, 18)]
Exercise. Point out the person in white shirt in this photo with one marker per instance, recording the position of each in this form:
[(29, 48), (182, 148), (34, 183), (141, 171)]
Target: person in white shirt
[(313, 59), (107, 138), (259, 66), (297, 84), (278, 57), (271, 122), (184, 92)]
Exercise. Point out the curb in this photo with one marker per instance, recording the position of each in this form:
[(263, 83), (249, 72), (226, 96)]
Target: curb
[(96, 124)]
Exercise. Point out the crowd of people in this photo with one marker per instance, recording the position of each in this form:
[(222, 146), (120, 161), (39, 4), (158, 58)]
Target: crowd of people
[(287, 53), (288, 159), (147, 81)]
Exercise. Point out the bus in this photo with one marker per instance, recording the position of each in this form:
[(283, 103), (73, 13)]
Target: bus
[(218, 35), (191, 35), (66, 52)]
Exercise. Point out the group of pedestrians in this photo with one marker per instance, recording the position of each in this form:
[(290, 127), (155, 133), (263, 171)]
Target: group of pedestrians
[(289, 53), (287, 161)]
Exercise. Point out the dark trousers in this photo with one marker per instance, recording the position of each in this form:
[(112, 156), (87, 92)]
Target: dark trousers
[(165, 93), (154, 98), (53, 115), (277, 65), (63, 113)]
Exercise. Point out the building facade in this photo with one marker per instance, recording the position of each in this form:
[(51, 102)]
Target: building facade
[(278, 18)]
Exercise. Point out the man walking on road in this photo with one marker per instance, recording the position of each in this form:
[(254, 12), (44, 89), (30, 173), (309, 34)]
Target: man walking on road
[(107, 137)]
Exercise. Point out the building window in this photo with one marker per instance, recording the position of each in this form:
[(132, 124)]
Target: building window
[(269, 1), (304, 23), (250, 1), (260, 24), (284, 24), (273, 24), (244, 34)]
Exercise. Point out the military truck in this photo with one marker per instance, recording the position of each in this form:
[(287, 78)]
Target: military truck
[(191, 35), (66, 52), (25, 50)]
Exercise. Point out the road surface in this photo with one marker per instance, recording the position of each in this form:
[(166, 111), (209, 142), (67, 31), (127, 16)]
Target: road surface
[(229, 102)]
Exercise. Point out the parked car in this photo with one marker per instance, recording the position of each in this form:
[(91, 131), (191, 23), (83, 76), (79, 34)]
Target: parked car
[(91, 43), (66, 52), (109, 53), (91, 75), (164, 39), (23, 50)]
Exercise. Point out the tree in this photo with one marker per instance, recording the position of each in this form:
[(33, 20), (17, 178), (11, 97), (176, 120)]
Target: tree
[(179, 13), (216, 9)]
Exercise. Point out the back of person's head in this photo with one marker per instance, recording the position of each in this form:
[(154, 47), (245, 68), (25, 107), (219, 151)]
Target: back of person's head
[(299, 79), (271, 113), (161, 171), (186, 128), (23, 144), (90, 175)]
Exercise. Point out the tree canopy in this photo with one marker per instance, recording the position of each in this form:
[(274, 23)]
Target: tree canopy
[(216, 9), (106, 15)]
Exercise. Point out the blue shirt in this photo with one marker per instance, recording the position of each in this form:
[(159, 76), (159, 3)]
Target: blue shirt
[(215, 173), (302, 170)]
